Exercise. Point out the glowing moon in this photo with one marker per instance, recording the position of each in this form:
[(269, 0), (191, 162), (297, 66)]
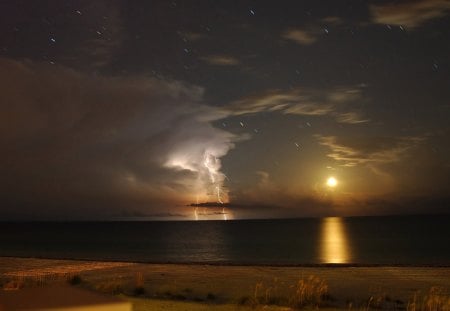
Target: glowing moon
[(331, 182)]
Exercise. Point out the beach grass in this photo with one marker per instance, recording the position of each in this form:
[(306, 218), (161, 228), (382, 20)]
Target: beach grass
[(206, 287)]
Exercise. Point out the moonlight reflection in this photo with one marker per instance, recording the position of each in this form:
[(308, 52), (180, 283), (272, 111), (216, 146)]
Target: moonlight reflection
[(334, 246)]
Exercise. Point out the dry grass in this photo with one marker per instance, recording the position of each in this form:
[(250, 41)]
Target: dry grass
[(306, 292), (309, 292), (437, 299), (277, 288), (263, 295)]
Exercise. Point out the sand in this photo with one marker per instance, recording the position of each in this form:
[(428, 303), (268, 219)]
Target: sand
[(196, 287)]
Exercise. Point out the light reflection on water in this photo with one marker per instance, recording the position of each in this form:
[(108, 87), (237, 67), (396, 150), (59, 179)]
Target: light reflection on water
[(359, 240), (202, 241), (335, 246)]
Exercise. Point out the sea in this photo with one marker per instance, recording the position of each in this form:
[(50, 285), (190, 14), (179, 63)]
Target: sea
[(387, 240)]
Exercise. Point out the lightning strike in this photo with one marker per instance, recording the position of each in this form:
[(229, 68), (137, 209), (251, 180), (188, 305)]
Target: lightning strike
[(208, 187), (196, 213), (224, 214), (218, 195)]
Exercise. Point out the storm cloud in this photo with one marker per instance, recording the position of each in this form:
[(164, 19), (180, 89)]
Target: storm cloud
[(73, 142)]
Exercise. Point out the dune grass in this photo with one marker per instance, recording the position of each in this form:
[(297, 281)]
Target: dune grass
[(197, 287), (437, 299), (307, 293), (310, 292)]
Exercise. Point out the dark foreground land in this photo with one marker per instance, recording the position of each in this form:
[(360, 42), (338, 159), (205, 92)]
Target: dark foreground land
[(206, 287)]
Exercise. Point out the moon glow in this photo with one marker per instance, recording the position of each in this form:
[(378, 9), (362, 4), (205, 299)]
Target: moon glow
[(331, 182)]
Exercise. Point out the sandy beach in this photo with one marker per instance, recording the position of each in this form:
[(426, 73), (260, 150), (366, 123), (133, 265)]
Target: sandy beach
[(193, 287)]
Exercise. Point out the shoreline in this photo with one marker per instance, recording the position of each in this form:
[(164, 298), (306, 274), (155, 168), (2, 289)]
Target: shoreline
[(241, 264)]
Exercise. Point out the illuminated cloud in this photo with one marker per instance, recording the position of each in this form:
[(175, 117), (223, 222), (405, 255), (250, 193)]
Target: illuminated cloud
[(105, 144), (271, 101), (126, 145), (221, 60), (95, 120), (300, 36), (354, 151), (192, 36), (409, 14), (310, 34), (350, 118), (309, 102), (309, 109), (332, 20)]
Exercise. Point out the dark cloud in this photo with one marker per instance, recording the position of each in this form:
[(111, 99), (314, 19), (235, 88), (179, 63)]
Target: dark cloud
[(76, 141)]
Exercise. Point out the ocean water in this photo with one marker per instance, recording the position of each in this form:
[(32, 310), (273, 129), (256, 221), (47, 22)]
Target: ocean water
[(400, 240)]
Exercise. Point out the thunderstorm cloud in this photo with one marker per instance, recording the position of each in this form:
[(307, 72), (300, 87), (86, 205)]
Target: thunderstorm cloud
[(73, 142)]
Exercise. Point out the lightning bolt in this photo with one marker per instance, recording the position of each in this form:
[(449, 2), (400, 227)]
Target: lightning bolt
[(224, 214), (218, 195), (212, 165)]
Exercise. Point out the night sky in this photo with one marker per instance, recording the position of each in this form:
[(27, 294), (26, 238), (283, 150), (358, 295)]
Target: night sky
[(136, 109)]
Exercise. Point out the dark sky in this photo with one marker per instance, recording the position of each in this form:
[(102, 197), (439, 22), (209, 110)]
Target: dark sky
[(118, 109)]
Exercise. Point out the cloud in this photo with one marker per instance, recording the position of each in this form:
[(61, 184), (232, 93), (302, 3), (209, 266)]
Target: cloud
[(300, 36), (410, 14), (354, 151), (192, 36), (221, 60), (310, 102), (74, 143), (333, 20), (350, 118), (310, 34), (309, 109), (267, 199)]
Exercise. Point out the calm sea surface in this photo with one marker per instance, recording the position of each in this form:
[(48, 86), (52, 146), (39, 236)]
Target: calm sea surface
[(414, 240)]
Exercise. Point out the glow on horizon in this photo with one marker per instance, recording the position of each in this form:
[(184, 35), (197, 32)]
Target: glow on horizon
[(334, 246), (205, 215)]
